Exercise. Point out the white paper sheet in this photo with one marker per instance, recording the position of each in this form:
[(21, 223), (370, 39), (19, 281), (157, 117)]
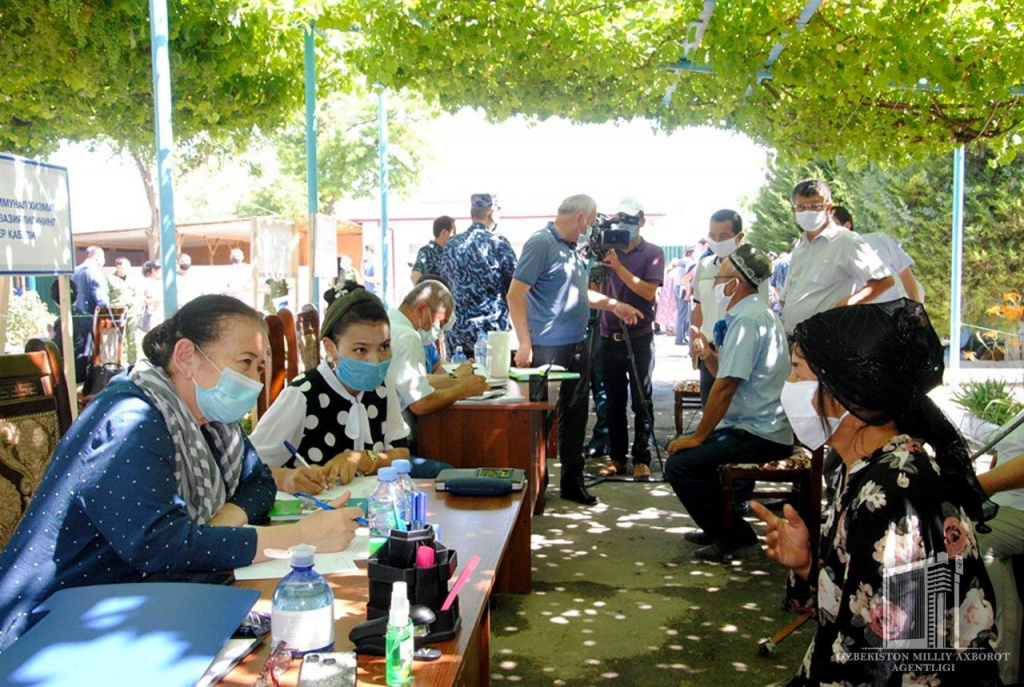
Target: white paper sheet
[(323, 563), (360, 487)]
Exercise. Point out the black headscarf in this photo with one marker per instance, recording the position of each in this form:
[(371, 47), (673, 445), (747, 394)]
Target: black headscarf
[(879, 361)]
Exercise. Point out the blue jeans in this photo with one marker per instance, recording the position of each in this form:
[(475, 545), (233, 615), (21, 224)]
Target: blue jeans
[(693, 474), (682, 322)]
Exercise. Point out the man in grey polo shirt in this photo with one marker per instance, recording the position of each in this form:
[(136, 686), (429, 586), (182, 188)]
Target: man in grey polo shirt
[(830, 267), (548, 302), (743, 420)]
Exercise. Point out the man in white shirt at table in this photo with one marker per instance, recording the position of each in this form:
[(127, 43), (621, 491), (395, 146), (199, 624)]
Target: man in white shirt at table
[(416, 322), (830, 267)]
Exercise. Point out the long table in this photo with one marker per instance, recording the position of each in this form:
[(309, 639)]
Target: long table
[(509, 431), (470, 525)]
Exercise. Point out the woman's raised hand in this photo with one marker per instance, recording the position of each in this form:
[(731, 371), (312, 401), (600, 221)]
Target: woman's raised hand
[(788, 538)]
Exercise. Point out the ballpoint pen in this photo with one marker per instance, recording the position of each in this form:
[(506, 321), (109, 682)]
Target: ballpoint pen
[(302, 462), (326, 506), (296, 455)]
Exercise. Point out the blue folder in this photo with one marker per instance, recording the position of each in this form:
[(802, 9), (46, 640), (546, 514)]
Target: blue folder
[(156, 634)]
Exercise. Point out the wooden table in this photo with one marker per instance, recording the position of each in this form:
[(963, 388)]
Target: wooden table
[(470, 525), (509, 431)]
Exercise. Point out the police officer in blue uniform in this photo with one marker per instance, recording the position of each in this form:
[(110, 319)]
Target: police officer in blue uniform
[(478, 265)]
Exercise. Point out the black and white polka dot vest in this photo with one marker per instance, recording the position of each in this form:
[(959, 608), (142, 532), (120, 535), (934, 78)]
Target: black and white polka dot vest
[(327, 412)]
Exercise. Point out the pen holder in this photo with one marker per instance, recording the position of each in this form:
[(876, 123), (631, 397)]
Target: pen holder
[(395, 561), (538, 388)]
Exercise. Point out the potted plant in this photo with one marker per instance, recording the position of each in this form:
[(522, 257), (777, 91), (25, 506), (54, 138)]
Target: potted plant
[(990, 404)]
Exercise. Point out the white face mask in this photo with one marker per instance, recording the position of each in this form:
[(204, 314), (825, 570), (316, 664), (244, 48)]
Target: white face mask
[(812, 220), (723, 249), (798, 402), (721, 297), (429, 336)]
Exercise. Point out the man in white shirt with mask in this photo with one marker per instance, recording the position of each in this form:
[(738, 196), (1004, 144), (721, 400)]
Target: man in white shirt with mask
[(724, 235), (416, 322), (830, 267), (892, 255)]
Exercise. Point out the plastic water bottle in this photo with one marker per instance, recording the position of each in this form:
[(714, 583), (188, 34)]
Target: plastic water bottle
[(459, 356), (406, 487), (302, 610), (384, 501), (398, 642), (482, 354)]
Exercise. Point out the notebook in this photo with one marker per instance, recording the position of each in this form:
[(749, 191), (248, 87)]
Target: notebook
[(157, 634), (514, 475)]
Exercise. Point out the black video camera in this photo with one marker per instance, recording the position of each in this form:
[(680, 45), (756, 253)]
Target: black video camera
[(606, 234)]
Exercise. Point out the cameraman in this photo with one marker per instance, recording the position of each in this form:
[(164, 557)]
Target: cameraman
[(549, 303), (633, 277)]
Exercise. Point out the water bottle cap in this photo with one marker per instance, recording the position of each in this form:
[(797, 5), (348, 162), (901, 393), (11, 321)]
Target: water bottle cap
[(402, 466), (302, 555), (387, 475)]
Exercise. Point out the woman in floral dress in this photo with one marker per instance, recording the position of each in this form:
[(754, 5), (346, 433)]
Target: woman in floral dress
[(902, 593)]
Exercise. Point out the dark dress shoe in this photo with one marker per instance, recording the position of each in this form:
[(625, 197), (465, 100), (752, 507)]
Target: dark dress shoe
[(579, 494), (595, 450)]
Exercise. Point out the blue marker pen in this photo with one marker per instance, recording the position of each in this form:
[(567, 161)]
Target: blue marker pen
[(326, 506), (315, 501)]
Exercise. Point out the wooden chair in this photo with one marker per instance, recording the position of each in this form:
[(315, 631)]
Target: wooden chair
[(687, 396), (802, 471), (307, 324), (291, 354), (34, 414), (108, 328), (274, 377)]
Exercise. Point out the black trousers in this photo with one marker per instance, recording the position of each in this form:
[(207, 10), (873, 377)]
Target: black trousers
[(573, 404), (693, 474), (620, 386)]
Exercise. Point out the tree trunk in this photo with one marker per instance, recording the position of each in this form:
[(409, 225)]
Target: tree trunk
[(153, 232)]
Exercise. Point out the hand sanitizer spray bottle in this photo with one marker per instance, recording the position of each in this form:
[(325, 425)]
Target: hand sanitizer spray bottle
[(398, 643)]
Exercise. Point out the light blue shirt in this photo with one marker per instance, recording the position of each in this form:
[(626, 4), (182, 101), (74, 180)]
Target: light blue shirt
[(557, 306), (756, 351)]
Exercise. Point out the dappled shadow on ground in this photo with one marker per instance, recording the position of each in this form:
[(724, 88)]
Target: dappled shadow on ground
[(618, 596)]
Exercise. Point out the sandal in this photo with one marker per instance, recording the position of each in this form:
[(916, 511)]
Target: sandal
[(612, 469)]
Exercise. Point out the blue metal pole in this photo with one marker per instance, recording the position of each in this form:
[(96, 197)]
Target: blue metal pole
[(382, 135), (956, 275), (311, 170), (164, 151)]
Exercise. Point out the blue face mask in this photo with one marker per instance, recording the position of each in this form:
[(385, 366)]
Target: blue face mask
[(633, 230), (232, 397), (361, 375)]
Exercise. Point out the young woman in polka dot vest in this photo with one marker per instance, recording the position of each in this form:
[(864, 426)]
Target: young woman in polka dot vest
[(343, 415)]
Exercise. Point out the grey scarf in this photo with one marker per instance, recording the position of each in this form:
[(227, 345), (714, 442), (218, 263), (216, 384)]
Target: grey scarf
[(205, 481)]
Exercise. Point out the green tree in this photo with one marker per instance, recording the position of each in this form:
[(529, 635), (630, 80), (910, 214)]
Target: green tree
[(75, 70), (913, 204), (886, 81), (347, 154)]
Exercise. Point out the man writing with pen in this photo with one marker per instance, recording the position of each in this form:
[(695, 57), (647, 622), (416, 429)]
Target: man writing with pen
[(342, 417)]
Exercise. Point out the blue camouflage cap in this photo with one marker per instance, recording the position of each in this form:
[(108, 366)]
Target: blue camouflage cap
[(483, 200)]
